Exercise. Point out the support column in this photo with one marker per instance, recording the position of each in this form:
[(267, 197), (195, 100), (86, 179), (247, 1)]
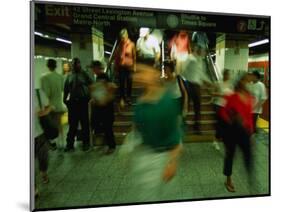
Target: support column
[(88, 47), (232, 53)]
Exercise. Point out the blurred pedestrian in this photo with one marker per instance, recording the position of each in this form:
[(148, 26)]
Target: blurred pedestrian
[(222, 88), (200, 40), (156, 120), (102, 101), (195, 77), (175, 84), (148, 49), (237, 116), (41, 147)]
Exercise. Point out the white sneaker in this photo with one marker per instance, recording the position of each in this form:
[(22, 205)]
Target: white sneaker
[(216, 145)]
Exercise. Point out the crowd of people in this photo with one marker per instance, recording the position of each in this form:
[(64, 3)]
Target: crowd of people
[(160, 109)]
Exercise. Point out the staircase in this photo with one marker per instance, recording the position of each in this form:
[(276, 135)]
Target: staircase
[(123, 120)]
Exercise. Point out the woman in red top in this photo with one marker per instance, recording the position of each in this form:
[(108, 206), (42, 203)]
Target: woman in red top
[(237, 115), (125, 65)]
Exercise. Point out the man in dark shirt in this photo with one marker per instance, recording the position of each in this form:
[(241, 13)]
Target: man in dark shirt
[(76, 97)]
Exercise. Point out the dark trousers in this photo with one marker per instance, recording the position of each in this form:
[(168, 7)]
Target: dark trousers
[(125, 82), (41, 152), (147, 61), (219, 122), (255, 119), (102, 122), (236, 136), (78, 112), (194, 94)]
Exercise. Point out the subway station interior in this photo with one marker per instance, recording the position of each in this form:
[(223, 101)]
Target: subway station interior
[(78, 178)]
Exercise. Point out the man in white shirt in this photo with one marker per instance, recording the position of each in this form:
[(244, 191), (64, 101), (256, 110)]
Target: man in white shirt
[(52, 84), (148, 49), (258, 90), (194, 75)]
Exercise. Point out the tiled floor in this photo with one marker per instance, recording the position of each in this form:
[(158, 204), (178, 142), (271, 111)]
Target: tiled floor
[(80, 179)]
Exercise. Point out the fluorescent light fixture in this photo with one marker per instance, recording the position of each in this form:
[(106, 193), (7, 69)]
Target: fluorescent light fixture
[(42, 35), (38, 56), (107, 52), (63, 40), (258, 43), (38, 33)]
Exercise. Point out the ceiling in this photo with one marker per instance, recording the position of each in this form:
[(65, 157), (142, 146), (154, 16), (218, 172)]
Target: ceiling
[(64, 31)]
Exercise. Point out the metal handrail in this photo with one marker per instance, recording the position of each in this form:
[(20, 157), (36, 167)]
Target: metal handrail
[(212, 68)]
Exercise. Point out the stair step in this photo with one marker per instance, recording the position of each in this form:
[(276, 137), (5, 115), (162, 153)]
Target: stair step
[(203, 133), (188, 122), (128, 116), (125, 126), (137, 92), (201, 122), (130, 113), (122, 126), (205, 107), (206, 136)]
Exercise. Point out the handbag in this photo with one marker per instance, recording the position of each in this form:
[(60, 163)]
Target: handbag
[(46, 122)]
